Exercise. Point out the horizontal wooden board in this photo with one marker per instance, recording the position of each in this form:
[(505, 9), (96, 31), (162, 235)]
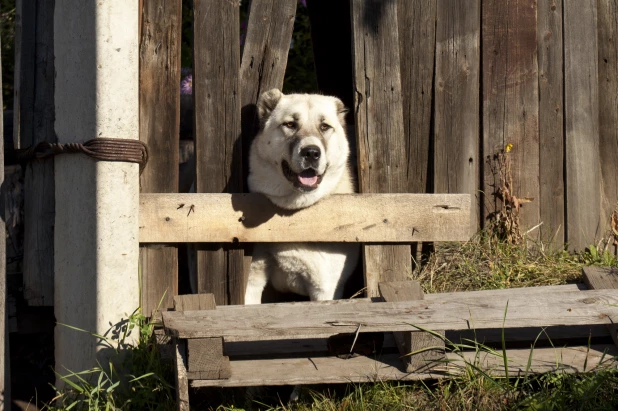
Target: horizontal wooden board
[(283, 321), (175, 218), (318, 370)]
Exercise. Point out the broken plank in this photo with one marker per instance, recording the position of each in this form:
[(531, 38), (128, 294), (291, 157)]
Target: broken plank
[(343, 217), (282, 321)]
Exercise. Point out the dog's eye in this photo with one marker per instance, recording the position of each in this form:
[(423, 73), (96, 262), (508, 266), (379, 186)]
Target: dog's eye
[(290, 125), (324, 127)]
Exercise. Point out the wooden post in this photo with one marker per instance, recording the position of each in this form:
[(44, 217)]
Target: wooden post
[(457, 129), (409, 342), (36, 112), (378, 110), (608, 106), (581, 111), (5, 369), (159, 121), (510, 100), (218, 150), (96, 229), (551, 121)]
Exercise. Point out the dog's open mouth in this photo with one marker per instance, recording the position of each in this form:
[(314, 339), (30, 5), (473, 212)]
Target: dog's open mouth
[(306, 180)]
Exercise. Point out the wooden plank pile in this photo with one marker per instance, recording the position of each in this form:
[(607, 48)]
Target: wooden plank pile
[(570, 327)]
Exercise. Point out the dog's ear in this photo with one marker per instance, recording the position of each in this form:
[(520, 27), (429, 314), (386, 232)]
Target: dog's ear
[(267, 103), (342, 110)]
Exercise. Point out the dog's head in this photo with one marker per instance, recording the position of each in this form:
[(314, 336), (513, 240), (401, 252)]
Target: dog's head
[(301, 152)]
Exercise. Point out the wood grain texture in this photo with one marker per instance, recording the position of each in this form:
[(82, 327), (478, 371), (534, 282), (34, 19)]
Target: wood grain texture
[(417, 46), (5, 368), (264, 59), (181, 382), (378, 113), (510, 100), (457, 125), (318, 370), (343, 217), (413, 342), (205, 359), (603, 278), (608, 105), (37, 125), (159, 122), (192, 302), (284, 321), (218, 148), (583, 184), (551, 121)]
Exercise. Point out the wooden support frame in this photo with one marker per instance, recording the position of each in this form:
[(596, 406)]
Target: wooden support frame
[(169, 218)]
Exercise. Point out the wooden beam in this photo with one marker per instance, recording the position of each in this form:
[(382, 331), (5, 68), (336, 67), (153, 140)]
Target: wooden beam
[(37, 125), (510, 101), (457, 125), (603, 278), (332, 370), (244, 218), (5, 368), (378, 112), (159, 122), (581, 111), (608, 106), (218, 148), (551, 121), (285, 321), (181, 381)]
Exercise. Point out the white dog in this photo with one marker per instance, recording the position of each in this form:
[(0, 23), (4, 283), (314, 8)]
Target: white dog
[(299, 157)]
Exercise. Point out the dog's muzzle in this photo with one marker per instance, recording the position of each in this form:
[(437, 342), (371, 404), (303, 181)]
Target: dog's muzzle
[(305, 181)]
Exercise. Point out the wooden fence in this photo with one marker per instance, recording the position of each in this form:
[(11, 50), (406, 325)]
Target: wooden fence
[(431, 102)]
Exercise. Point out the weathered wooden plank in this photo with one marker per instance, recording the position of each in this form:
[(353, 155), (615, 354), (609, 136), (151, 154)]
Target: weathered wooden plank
[(37, 125), (417, 44), (457, 126), (264, 58), (608, 105), (218, 149), (205, 359), (378, 112), (159, 122), (25, 57), (182, 383), (410, 342), (510, 100), (280, 321), (5, 369), (551, 121), (581, 111), (192, 302), (343, 217), (319, 370), (602, 278)]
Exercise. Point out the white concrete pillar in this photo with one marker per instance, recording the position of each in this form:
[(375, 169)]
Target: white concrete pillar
[(96, 230)]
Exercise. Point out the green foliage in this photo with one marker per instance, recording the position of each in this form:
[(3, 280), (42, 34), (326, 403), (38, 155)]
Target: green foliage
[(134, 378)]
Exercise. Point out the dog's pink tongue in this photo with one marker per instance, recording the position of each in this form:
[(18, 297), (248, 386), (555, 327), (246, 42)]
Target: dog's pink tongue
[(308, 181), (308, 178)]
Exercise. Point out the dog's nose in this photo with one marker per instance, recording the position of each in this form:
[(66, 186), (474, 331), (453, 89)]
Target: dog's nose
[(311, 153)]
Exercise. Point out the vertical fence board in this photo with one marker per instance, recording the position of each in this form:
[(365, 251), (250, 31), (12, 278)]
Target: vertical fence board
[(551, 121), (457, 128), (510, 99), (417, 42), (264, 58), (608, 104), (582, 123), (5, 374), (218, 154), (37, 125), (159, 123), (378, 109)]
